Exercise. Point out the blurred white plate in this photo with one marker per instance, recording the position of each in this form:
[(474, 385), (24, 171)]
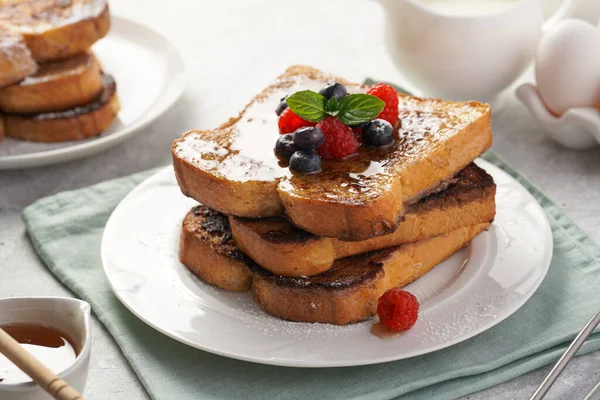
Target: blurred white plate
[(465, 295), (150, 76)]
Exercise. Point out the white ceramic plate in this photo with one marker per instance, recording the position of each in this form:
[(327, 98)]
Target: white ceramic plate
[(469, 293), (150, 76)]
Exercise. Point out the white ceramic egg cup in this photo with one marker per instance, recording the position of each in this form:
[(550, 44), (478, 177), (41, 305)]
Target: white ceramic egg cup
[(578, 128)]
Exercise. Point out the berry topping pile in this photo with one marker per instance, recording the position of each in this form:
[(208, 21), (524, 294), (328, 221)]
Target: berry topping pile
[(398, 310), (331, 124)]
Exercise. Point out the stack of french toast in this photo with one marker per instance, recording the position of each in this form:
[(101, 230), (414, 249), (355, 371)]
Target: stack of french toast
[(52, 87), (324, 245)]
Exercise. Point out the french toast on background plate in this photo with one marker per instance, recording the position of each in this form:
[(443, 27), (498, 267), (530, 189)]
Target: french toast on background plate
[(16, 61), (232, 169), (67, 96), (57, 85), (56, 29), (75, 123)]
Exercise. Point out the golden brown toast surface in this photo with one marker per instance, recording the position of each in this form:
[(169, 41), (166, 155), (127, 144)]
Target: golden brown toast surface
[(57, 86), (16, 61), (283, 249), (208, 250), (55, 29), (346, 293), (349, 291), (234, 169), (75, 123)]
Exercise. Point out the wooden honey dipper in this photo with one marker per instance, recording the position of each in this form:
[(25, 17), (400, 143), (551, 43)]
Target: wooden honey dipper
[(48, 380)]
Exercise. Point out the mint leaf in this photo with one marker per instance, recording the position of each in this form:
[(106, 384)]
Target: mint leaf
[(332, 107), (358, 108), (308, 105)]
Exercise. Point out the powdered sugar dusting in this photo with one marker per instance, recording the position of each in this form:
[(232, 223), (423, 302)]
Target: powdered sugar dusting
[(42, 15), (465, 321), (14, 51), (245, 309)]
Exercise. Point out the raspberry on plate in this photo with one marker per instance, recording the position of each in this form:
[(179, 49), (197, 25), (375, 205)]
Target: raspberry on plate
[(340, 141), (289, 122), (390, 97), (398, 310)]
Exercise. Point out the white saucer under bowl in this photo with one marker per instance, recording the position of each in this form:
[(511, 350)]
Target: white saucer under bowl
[(469, 293)]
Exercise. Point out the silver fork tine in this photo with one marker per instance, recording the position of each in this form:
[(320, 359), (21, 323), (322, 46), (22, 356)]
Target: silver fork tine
[(566, 358), (594, 394)]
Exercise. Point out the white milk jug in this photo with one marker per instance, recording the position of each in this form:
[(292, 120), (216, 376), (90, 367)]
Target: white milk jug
[(465, 49)]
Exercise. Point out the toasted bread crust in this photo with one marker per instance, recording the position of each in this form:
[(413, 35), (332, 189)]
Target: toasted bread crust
[(56, 86), (281, 248), (359, 221), (349, 291), (76, 123), (223, 170), (208, 250), (252, 199), (56, 29), (345, 293), (16, 61)]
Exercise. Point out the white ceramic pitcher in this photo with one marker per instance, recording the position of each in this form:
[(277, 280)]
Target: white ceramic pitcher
[(465, 57)]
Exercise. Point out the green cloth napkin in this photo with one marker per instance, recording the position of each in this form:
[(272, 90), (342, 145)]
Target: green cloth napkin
[(66, 230)]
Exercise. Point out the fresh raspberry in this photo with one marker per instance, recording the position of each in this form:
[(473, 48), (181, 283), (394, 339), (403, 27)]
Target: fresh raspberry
[(390, 97), (358, 133), (398, 310), (289, 122), (340, 141)]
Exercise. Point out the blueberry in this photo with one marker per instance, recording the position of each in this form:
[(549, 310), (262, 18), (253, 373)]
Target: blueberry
[(285, 146), (305, 162), (334, 89), (308, 138), (281, 106), (378, 133)]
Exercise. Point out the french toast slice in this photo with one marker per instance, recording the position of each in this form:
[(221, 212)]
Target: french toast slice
[(234, 170), (56, 29), (57, 86), (16, 61), (345, 293), (283, 249), (208, 250), (349, 291), (76, 123)]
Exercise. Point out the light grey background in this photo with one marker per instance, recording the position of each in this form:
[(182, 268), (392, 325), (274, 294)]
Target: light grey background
[(232, 50)]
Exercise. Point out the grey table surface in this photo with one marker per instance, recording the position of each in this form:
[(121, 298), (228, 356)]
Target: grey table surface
[(233, 49)]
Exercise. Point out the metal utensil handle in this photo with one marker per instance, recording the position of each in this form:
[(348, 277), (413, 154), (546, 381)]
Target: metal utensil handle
[(566, 358), (594, 394)]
